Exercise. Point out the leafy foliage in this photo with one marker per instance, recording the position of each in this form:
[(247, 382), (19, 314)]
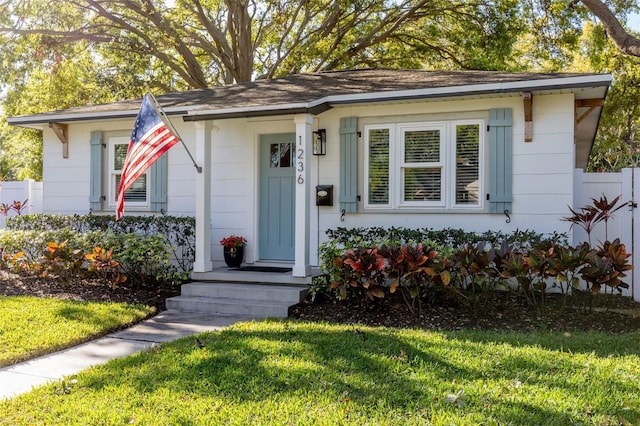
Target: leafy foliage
[(177, 233), (606, 265), (413, 269), (363, 270), (600, 210), (473, 270), (149, 251), (60, 259), (222, 42), (102, 263), (616, 144), (476, 270)]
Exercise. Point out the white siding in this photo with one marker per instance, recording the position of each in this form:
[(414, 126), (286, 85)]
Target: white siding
[(542, 177), (66, 180), (542, 180)]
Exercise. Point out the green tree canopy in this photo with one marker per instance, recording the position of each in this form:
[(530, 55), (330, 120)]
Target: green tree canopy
[(91, 51), (208, 42)]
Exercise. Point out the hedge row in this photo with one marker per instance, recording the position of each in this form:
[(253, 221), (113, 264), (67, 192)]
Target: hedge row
[(358, 265), (148, 250)]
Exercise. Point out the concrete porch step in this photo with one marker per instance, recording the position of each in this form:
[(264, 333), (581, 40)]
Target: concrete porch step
[(229, 306), (243, 299), (245, 291)]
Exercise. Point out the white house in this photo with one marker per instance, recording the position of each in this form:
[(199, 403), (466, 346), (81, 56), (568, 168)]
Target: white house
[(470, 149)]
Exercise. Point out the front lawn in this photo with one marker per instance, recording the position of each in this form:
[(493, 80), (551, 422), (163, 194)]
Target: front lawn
[(288, 372), (31, 326)]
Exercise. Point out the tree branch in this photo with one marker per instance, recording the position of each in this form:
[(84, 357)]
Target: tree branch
[(624, 41)]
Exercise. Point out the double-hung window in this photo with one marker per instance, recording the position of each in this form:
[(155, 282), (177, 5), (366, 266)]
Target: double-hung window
[(138, 195), (108, 153), (424, 165)]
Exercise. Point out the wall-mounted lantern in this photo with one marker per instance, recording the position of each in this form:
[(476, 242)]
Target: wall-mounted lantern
[(320, 142)]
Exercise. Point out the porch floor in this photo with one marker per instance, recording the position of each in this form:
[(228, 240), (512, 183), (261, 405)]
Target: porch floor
[(233, 275)]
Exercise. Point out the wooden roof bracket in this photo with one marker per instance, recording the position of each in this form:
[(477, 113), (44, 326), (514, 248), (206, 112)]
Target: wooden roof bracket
[(591, 104), (527, 98), (62, 132)]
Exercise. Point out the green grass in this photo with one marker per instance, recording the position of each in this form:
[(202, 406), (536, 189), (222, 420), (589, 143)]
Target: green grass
[(282, 372), (31, 326)]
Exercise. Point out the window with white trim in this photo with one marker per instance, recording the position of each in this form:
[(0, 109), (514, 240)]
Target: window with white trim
[(138, 195), (424, 165)]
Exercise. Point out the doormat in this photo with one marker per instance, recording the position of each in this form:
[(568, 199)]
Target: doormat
[(262, 269)]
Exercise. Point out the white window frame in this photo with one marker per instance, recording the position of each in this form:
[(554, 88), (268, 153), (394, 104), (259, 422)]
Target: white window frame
[(447, 163), (402, 165), (112, 173)]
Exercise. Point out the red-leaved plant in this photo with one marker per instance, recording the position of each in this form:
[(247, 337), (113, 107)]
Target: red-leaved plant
[(410, 268), (363, 268), (589, 216), (17, 206)]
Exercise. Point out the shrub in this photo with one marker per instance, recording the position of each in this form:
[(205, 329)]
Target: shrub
[(60, 259), (476, 270), (446, 240), (413, 269), (356, 266), (361, 269), (34, 243), (149, 250), (107, 269), (178, 232)]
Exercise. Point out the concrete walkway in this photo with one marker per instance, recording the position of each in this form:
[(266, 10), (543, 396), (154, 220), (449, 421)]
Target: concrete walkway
[(164, 327)]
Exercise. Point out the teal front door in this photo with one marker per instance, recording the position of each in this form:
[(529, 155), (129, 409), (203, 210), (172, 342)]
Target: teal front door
[(277, 196)]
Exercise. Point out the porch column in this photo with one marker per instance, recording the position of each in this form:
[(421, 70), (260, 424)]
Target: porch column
[(301, 266), (203, 197)]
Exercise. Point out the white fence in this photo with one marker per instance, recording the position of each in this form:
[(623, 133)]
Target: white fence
[(625, 223), (20, 191)]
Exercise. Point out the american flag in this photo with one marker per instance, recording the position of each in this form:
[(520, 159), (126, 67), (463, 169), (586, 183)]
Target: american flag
[(149, 140)]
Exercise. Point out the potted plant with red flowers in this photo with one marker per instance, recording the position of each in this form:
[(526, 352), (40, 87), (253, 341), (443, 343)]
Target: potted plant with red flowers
[(233, 249)]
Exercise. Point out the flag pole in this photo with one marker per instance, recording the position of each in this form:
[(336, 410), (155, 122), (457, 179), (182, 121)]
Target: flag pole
[(168, 122)]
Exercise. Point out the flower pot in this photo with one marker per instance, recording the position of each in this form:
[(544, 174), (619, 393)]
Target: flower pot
[(233, 256)]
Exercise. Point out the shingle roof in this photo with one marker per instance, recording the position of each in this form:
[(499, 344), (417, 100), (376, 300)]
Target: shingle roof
[(268, 95)]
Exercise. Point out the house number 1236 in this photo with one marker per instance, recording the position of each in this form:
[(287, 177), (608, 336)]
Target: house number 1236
[(300, 165)]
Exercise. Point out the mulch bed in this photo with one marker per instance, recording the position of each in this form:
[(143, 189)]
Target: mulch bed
[(442, 312), (82, 289), (502, 312)]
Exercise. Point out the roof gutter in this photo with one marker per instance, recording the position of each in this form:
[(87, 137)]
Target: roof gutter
[(40, 119), (475, 89), (286, 109)]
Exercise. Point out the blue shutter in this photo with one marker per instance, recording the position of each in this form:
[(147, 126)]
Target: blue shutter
[(95, 173), (500, 160), (159, 182), (349, 164)]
